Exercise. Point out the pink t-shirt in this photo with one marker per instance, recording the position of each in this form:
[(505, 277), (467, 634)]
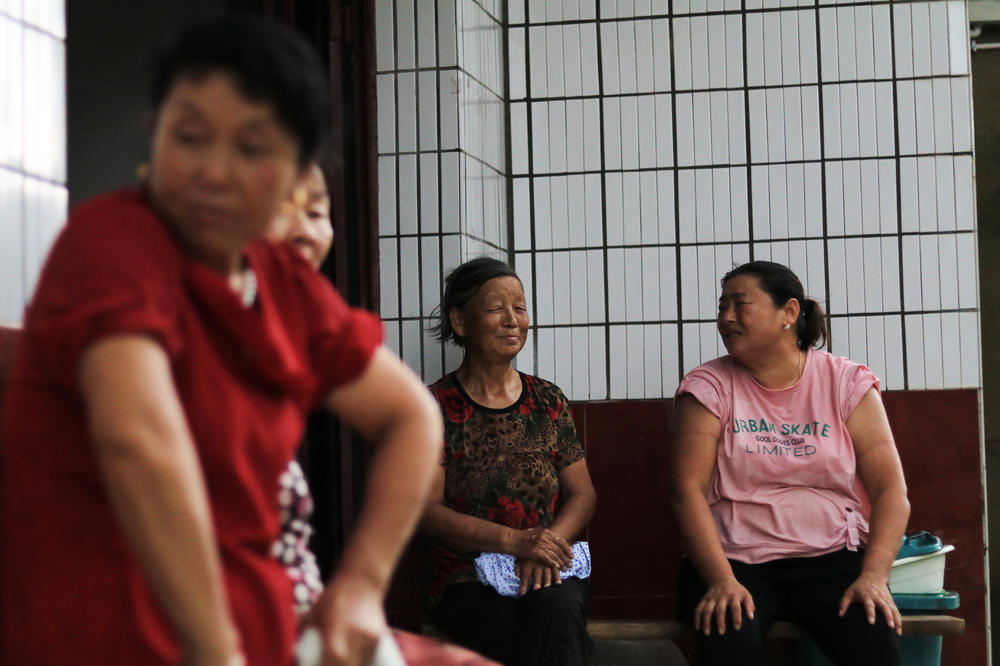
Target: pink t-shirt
[(785, 482)]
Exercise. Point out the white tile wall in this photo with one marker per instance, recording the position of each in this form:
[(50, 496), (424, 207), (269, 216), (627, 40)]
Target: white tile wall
[(33, 196), (648, 156)]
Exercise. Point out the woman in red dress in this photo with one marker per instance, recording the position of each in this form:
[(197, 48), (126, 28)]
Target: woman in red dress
[(167, 361)]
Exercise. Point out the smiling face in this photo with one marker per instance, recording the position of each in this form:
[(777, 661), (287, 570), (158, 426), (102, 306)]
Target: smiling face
[(749, 322), (494, 323), (305, 219), (221, 166)]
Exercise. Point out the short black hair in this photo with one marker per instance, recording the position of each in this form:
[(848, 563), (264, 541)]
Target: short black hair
[(782, 284), (459, 288), (268, 63)]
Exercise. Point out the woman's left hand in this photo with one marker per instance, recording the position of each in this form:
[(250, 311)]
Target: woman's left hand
[(350, 621), (872, 593), (535, 575)]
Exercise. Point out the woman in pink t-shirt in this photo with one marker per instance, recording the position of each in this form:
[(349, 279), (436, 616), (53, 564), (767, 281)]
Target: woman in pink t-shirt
[(787, 485)]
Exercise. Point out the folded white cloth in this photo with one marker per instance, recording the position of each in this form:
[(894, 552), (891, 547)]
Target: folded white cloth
[(497, 569)]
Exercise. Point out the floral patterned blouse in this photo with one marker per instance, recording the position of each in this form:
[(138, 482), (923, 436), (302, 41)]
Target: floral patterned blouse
[(501, 465)]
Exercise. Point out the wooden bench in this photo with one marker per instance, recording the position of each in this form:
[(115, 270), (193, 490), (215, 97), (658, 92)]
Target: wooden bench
[(627, 630)]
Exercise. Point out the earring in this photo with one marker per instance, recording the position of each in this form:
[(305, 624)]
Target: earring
[(142, 171), (787, 326)]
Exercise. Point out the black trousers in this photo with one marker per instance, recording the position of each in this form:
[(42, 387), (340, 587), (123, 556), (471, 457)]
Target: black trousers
[(544, 627), (804, 590)]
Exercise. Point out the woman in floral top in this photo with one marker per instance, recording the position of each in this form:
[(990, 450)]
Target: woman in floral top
[(513, 480)]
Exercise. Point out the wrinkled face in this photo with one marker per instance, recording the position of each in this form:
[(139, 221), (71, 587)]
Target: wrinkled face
[(494, 322), (221, 166), (748, 320), (305, 219)]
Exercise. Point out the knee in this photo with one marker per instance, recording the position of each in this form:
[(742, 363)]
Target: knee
[(735, 646), (569, 602)]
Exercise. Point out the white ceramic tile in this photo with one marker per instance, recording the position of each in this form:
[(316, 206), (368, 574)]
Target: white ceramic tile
[(881, 42), (758, 126), (930, 273), (772, 48), (791, 48), (915, 362), (430, 189), (572, 63), (903, 38), (686, 208), (948, 270), (668, 282), (559, 211), (920, 26), (578, 387), (960, 115), (635, 343), (540, 137), (652, 379), (386, 195), (630, 136), (777, 185), (701, 53), (703, 129), (854, 259), (617, 345), (718, 47), (760, 201), (795, 199), (945, 190), (561, 277), (577, 136), (718, 113), (448, 83), (645, 62), (940, 46), (388, 278), (838, 275), (704, 220), (927, 193), (450, 193), (958, 38), (538, 62), (661, 54), (542, 223), (614, 208), (577, 297), (45, 106), (612, 133), (969, 344), (407, 174), (609, 58), (792, 130), (447, 32), (12, 259), (426, 33), (630, 208), (430, 274), (554, 61), (593, 205), (409, 272), (906, 117), (685, 128), (385, 95), (411, 350), (951, 353), (754, 48), (683, 57), (835, 196), (864, 41), (516, 53), (965, 197), (616, 284), (519, 138), (544, 294), (847, 56), (557, 136), (633, 276), (908, 195), (722, 204), (427, 90), (912, 286), (868, 120), (385, 38), (405, 35), (597, 385)]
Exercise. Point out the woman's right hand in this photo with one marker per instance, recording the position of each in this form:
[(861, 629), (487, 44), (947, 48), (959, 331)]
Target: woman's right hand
[(543, 545), (726, 595)]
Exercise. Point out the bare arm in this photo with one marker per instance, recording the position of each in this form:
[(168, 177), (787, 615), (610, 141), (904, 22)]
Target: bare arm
[(154, 482), (391, 408), (696, 433), (882, 477), (464, 532)]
